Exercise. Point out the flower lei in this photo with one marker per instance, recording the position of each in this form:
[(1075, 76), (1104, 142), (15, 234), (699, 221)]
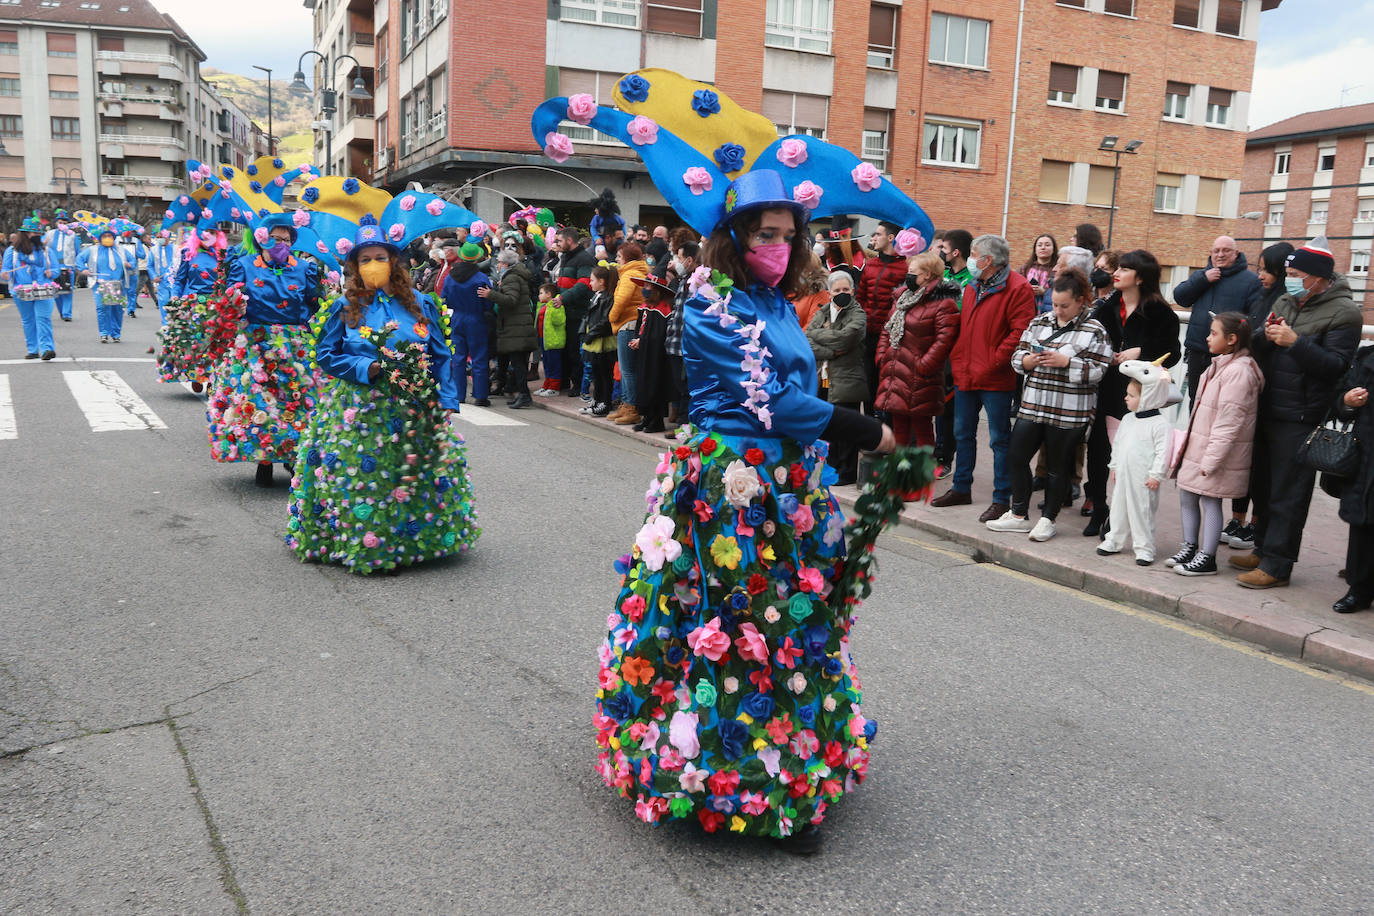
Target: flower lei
[(716, 288)]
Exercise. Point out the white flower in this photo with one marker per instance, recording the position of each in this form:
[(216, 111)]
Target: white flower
[(731, 684), (829, 703), (780, 474), (741, 483), (771, 614), (797, 682), (656, 544)]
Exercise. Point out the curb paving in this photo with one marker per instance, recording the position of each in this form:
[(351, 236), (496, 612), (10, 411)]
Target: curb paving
[(1295, 622)]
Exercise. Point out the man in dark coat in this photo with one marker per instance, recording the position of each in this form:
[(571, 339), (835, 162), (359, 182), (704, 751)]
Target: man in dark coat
[(1226, 284), (574, 268)]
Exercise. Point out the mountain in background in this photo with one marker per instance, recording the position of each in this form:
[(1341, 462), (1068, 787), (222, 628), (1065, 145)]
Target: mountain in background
[(291, 110)]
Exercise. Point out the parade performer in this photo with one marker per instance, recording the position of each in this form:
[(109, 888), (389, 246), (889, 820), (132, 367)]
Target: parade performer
[(191, 339), (31, 272), (262, 392), (162, 263), (104, 266), (727, 690), (64, 244), (470, 327), (382, 482)]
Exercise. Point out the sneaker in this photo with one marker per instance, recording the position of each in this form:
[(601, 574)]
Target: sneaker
[(943, 470), (1202, 564), (482, 402), (104, 338), (601, 410), (1230, 530), (1010, 521), (1043, 530), (1243, 538), (1104, 552), (48, 354), (1185, 553), (587, 410)]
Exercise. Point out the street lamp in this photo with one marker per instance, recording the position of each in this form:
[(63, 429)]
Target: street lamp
[(329, 96), (61, 175), (1109, 146), (271, 140)]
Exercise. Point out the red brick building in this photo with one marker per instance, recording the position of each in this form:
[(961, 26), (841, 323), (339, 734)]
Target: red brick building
[(990, 116), (1313, 174)]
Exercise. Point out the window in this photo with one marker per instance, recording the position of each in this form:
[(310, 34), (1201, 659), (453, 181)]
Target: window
[(1219, 107), (794, 113), (1369, 154), (676, 17), (383, 52), (61, 44), (1359, 262), (1054, 181), (9, 85), (1364, 213), (109, 43), (1119, 7), (800, 24), (438, 102), (949, 142), (9, 42), (11, 126), (1187, 13), (1100, 185), (62, 87), (600, 86), (66, 128), (1275, 216), (1281, 161), (1176, 97), (1326, 160), (1318, 213), (1228, 17), (1167, 190), (882, 35), (1111, 90), (957, 40), (1063, 83), (1080, 4), (1209, 196), (874, 145)]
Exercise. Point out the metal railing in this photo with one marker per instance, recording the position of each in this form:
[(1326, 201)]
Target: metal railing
[(141, 139), (135, 56), (150, 97), (142, 179)]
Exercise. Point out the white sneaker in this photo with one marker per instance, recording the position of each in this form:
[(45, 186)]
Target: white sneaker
[(1043, 530), (1010, 522)]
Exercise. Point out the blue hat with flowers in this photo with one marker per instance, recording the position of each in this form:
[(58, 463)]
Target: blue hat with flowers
[(31, 224), (347, 213), (702, 149), (370, 235)]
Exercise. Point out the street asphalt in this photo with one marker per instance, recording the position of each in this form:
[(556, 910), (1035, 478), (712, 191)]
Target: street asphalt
[(191, 721)]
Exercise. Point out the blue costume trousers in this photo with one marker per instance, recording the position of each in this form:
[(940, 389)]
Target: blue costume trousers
[(131, 295), (470, 344), (109, 317), (164, 296), (36, 316)]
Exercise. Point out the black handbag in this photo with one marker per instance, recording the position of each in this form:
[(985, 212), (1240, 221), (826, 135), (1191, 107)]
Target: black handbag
[(1332, 449)]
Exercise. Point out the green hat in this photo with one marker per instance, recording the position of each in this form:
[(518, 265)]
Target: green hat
[(544, 217), (471, 252)]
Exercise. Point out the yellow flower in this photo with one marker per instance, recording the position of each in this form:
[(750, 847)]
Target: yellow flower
[(737, 824), (745, 718), (663, 604), (766, 553), (725, 552), (365, 332), (760, 744), (615, 743)]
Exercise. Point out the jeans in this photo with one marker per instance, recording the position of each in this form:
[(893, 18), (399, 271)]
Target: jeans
[(997, 405), (36, 317), (1027, 437), (626, 356)]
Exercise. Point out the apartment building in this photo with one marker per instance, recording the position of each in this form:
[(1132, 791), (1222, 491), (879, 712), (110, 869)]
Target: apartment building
[(1313, 174), (991, 116), (345, 134), (109, 93)]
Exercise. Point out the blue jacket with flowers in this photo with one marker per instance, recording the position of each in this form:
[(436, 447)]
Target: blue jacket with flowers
[(103, 263), (750, 368), (277, 293), (344, 353), (34, 267), (195, 275)]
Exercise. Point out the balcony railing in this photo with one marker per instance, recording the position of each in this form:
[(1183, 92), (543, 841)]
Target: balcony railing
[(134, 56), (135, 96), (438, 122), (141, 139), (363, 38), (142, 179)]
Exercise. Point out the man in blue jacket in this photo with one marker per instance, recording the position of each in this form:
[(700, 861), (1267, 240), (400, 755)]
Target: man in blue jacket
[(469, 323), (64, 245), (1226, 284)]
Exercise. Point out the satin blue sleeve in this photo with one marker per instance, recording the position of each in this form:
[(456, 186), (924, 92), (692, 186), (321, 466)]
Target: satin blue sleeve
[(236, 272), (179, 278), (440, 356), (312, 287), (331, 356)]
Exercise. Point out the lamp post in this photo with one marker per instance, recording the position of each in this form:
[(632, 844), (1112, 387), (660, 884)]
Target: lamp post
[(1109, 146), (329, 96), (61, 175), (271, 140)]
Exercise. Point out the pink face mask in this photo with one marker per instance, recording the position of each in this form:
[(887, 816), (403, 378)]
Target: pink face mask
[(768, 263)]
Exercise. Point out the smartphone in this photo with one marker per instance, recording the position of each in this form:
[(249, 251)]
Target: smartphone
[(1037, 347)]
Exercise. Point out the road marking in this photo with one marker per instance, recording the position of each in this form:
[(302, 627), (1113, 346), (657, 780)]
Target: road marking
[(80, 359), (8, 429), (484, 416), (108, 403)]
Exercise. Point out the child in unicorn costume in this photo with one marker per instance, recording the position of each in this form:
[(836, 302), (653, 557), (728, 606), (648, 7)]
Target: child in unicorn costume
[(1140, 454)]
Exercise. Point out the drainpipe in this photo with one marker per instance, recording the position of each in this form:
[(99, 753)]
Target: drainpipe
[(1015, 97)]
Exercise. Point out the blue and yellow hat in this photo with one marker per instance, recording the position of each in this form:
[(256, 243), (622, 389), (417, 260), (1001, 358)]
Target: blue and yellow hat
[(347, 213), (371, 235)]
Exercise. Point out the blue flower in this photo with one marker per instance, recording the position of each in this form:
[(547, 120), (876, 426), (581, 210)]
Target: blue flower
[(262, 211), (755, 515), (620, 706), (311, 195), (787, 504), (278, 164), (252, 170), (758, 705), (705, 102), (312, 457), (622, 564), (397, 424), (368, 464), (833, 666), (870, 729), (807, 715), (814, 639), (733, 734), (256, 186), (350, 186), (730, 157), (443, 484), (685, 496), (635, 88), (331, 459), (829, 476), (674, 655), (413, 527), (723, 804), (227, 172), (739, 600)]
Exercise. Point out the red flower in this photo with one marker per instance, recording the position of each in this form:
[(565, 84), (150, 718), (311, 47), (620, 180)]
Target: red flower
[(702, 511), (723, 782), (754, 456), (798, 788), (788, 653), (757, 584), (834, 754), (711, 821), (292, 287), (796, 474), (708, 446), (682, 452), (762, 680), (259, 283)]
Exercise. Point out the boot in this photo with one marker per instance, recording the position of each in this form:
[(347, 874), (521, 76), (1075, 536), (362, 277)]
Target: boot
[(263, 478), (629, 417), (654, 425), (616, 413), (524, 400)]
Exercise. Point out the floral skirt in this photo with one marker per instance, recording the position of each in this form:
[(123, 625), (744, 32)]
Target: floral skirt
[(375, 490), (261, 395), (727, 691), (198, 331)]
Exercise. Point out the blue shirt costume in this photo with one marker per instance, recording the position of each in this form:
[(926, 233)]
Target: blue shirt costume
[(196, 275), (34, 267), (345, 354), (103, 263), (286, 293)]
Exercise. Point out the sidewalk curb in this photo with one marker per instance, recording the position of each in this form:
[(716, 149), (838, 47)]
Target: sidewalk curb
[(1246, 618)]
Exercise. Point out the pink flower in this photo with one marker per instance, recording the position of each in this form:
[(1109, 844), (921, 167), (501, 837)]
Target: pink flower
[(401, 494), (909, 242), (803, 519), (279, 181), (435, 207), (643, 131), (682, 734), (698, 179), (170, 215), (333, 276), (808, 194), (811, 579), (557, 147), (692, 779), (792, 152), (343, 247), (656, 544), (370, 540), (633, 607), (396, 232), (581, 108), (321, 247), (751, 644), (350, 414), (709, 641), (478, 228), (408, 202), (300, 218), (206, 214), (260, 235), (866, 176)]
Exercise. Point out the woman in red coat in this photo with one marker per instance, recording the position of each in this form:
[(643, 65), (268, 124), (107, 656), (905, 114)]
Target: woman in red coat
[(912, 350)]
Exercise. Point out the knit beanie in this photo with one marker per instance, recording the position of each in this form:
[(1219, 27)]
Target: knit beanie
[(1314, 258), (471, 252)]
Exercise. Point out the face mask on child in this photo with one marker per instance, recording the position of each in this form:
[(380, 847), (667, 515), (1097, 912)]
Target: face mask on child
[(375, 273)]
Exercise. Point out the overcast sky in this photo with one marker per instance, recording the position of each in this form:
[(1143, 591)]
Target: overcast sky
[(1309, 50)]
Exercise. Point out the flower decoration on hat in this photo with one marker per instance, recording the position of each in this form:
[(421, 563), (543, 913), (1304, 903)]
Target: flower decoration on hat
[(702, 144), (339, 207)]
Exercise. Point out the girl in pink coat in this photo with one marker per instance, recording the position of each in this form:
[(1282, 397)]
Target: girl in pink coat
[(1214, 463)]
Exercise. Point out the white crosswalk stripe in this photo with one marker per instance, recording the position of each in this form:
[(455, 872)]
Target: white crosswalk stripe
[(8, 428), (109, 403), (483, 416)]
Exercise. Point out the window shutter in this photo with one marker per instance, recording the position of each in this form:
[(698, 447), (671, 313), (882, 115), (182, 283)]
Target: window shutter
[(677, 17), (571, 82), (1187, 12), (811, 111), (1166, 180), (1054, 180), (109, 43), (1100, 185), (9, 37), (875, 119), (1063, 78), (1219, 96), (777, 106), (1111, 85), (1228, 17), (57, 83), (1173, 88), (1120, 7), (1209, 196), (882, 27), (62, 41)]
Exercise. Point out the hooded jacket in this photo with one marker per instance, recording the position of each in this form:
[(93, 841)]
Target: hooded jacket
[(514, 312), (991, 322), (1300, 381), (911, 377), (877, 289), (460, 290), (1215, 458), (1237, 291)]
